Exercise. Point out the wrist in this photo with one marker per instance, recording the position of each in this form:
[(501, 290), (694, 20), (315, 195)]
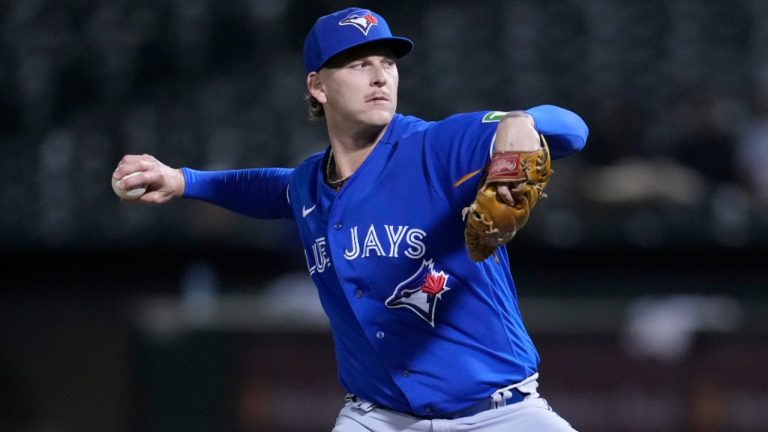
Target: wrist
[(180, 183), (522, 114), (515, 132)]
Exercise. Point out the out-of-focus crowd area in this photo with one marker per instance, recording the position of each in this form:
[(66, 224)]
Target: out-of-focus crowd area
[(640, 277), (675, 94)]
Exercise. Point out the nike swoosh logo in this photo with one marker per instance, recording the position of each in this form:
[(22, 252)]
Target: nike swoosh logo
[(305, 211)]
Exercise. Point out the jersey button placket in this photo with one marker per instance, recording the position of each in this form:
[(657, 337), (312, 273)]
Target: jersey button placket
[(380, 335), (338, 225)]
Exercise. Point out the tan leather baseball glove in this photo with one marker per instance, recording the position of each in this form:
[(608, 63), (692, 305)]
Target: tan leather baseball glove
[(491, 222)]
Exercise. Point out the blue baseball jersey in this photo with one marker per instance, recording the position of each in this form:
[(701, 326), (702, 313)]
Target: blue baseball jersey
[(417, 326)]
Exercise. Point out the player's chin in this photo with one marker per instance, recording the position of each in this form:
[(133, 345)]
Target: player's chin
[(379, 116)]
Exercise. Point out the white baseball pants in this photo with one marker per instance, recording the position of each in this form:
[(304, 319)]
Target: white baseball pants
[(528, 415), (532, 414)]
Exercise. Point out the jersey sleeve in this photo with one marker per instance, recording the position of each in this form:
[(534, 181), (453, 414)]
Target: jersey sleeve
[(456, 147), (565, 131), (256, 192), (459, 147)]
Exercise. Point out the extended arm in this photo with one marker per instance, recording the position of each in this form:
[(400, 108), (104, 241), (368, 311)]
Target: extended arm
[(257, 192)]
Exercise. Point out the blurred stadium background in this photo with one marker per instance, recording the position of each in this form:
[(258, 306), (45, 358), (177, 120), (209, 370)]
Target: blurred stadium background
[(642, 279)]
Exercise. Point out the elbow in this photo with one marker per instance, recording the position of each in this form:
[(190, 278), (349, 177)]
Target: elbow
[(565, 130), (564, 145), (582, 132)]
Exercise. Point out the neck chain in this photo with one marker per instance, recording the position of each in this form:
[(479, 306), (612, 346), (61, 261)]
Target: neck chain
[(330, 173)]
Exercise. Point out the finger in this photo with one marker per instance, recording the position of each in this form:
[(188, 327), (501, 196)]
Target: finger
[(131, 158), (134, 180), (126, 168), (132, 165), (153, 197), (502, 191)]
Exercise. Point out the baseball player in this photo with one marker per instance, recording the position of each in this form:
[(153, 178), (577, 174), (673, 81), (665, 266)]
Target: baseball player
[(427, 331)]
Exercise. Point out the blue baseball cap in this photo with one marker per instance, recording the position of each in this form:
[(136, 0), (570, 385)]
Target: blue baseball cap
[(347, 29)]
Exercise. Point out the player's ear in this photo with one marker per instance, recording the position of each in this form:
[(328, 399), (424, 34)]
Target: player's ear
[(316, 88)]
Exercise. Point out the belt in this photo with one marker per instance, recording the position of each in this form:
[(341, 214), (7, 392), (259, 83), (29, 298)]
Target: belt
[(510, 397), (500, 398)]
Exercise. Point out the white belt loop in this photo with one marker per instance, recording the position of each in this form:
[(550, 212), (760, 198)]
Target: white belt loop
[(530, 386), (499, 398), (527, 386), (497, 401), (360, 404), (365, 405)]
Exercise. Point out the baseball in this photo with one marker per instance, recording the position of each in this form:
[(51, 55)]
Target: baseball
[(128, 194)]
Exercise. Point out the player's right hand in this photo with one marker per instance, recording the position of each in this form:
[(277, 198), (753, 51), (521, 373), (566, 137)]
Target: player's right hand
[(162, 182)]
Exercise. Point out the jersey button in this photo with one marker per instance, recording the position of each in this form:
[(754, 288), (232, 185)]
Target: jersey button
[(405, 373), (358, 293), (338, 225), (379, 334)]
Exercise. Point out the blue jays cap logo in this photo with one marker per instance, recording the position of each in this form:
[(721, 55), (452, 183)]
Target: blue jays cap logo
[(362, 19), (420, 292)]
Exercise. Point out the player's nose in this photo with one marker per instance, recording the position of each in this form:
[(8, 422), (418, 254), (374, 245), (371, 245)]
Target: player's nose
[(378, 76)]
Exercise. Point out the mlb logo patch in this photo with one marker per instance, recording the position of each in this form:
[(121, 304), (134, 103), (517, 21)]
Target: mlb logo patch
[(362, 20)]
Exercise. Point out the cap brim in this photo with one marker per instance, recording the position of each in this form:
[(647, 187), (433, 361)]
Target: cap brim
[(400, 46)]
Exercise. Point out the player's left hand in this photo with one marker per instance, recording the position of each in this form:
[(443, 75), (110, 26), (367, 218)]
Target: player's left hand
[(504, 193), (516, 133), (490, 220)]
